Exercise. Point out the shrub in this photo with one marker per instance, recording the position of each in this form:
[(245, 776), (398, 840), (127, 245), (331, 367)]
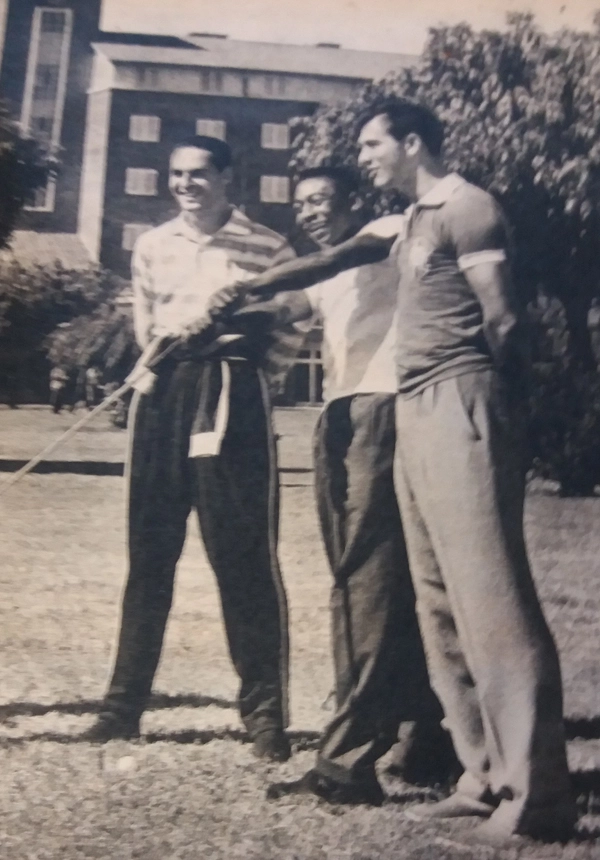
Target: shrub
[(63, 316), (564, 407)]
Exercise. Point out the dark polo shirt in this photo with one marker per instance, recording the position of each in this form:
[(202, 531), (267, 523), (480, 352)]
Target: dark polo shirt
[(440, 320)]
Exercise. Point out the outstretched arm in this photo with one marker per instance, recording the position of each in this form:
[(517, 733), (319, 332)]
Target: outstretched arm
[(371, 245), (306, 271)]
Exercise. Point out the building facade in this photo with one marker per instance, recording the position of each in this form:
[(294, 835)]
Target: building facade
[(45, 74), (112, 105)]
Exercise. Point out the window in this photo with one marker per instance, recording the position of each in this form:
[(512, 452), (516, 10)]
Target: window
[(142, 181), (46, 82), (211, 80), (275, 85), (131, 232), (144, 128), (45, 85), (274, 135), (211, 128), (41, 127), (304, 383), (274, 189), (43, 198), (149, 78), (52, 21)]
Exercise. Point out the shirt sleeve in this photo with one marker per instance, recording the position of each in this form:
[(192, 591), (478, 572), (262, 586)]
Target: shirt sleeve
[(284, 254), (386, 227), (313, 294), (143, 296), (478, 230)]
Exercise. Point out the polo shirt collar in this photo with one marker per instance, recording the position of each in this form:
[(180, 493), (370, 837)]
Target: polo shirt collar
[(441, 192), (236, 225)]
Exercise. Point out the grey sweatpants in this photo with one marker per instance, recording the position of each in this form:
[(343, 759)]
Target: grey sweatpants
[(491, 657)]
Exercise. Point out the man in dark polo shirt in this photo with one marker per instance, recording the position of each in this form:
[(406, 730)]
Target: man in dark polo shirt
[(460, 484), (460, 480)]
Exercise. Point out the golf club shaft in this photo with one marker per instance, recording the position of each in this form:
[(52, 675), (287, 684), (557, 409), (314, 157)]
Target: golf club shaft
[(98, 410)]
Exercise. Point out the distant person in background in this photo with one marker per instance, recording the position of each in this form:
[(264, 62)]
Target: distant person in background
[(59, 379), (12, 386), (92, 384)]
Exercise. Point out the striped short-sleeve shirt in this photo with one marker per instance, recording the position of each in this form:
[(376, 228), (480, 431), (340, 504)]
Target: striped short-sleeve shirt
[(176, 269)]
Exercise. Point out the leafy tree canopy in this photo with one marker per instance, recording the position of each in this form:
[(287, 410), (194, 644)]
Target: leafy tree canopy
[(24, 166), (72, 313), (522, 115)]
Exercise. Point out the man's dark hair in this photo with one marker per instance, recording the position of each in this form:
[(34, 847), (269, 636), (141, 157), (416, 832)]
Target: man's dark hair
[(220, 152), (406, 117), (345, 179)]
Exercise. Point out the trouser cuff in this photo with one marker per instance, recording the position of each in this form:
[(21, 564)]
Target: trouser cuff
[(340, 774)]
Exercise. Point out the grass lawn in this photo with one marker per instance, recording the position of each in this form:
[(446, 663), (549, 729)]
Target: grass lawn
[(191, 788)]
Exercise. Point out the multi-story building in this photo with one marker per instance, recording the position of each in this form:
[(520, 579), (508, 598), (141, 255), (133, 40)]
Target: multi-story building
[(112, 105), (45, 73)]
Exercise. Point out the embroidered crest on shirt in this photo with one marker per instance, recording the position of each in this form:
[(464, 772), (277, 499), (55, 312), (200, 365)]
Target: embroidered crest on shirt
[(419, 252)]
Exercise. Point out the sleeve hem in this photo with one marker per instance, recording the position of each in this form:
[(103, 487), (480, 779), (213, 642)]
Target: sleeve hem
[(467, 261)]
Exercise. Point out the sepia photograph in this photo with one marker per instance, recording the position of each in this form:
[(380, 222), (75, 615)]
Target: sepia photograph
[(299, 430)]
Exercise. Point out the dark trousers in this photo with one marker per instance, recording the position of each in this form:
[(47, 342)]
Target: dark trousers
[(380, 671), (57, 399), (91, 395), (235, 495)]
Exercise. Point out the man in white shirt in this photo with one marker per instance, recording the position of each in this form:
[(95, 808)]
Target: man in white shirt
[(380, 674), (202, 438)]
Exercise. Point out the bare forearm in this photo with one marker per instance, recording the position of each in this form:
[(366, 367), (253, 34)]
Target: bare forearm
[(502, 323), (504, 337), (314, 268)]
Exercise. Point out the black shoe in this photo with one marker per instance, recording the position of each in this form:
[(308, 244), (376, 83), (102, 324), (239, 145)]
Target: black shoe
[(109, 727), (272, 744), (367, 791), (426, 757)]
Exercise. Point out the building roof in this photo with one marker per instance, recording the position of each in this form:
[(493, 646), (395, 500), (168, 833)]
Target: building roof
[(46, 249), (148, 39), (262, 56)]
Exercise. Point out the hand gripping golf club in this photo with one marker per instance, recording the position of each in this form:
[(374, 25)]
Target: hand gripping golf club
[(153, 355)]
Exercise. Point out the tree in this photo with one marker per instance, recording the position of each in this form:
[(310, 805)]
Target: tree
[(104, 338), (564, 426), (24, 166), (522, 116), (60, 312)]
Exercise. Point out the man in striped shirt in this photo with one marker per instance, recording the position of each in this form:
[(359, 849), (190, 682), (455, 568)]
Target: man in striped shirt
[(202, 438)]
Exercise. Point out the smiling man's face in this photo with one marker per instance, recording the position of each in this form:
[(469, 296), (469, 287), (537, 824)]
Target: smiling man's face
[(383, 157), (195, 182), (322, 210)]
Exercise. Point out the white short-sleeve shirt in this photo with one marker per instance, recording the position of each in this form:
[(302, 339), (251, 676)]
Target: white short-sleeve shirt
[(357, 309)]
